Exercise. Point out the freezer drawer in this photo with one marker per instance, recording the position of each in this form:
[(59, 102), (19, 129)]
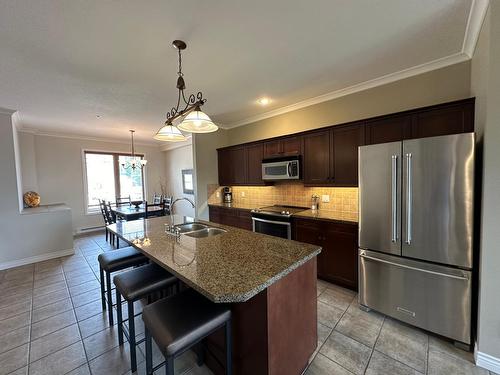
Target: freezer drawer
[(432, 297)]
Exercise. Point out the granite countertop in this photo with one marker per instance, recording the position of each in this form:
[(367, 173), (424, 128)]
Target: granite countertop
[(240, 206), (326, 215), (230, 267)]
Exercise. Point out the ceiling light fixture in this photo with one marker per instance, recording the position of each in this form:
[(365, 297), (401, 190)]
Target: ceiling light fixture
[(135, 162), (194, 120), (264, 101)]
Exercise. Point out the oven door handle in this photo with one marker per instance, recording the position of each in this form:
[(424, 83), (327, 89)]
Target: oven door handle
[(271, 221)]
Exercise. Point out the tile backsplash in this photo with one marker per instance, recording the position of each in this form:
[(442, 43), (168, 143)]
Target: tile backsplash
[(342, 200)]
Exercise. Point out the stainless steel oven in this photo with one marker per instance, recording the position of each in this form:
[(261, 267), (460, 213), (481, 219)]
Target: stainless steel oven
[(281, 169), (274, 220)]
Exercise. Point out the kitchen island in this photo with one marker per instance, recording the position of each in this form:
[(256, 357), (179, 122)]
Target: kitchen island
[(270, 283)]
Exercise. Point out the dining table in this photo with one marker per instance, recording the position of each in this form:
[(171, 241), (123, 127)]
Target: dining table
[(131, 212)]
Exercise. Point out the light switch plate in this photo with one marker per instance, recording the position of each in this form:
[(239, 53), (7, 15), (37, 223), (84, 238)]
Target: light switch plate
[(325, 198)]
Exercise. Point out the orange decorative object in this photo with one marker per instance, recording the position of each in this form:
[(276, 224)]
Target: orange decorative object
[(31, 199)]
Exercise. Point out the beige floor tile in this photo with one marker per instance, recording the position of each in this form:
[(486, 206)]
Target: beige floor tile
[(14, 322), (52, 324), (14, 359), (323, 333), (93, 324), (85, 287), (87, 297), (82, 370), (349, 353), (360, 325), (447, 347), (55, 287), (114, 361), (88, 310), (328, 315), (101, 342), (60, 362), (404, 344), (50, 298), (444, 364), (14, 339), (16, 299), (53, 342), (339, 298), (51, 310), (322, 365), (381, 364), (52, 279)]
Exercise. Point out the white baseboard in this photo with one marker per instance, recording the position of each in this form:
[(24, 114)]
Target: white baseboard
[(36, 258), (488, 362)]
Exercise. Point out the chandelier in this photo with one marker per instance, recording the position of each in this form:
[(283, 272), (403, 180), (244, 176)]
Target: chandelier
[(136, 162), (193, 119)]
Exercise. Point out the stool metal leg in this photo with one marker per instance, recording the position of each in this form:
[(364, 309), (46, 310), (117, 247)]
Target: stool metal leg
[(149, 353), (169, 365), (103, 290), (109, 297), (131, 334), (229, 349), (119, 316)]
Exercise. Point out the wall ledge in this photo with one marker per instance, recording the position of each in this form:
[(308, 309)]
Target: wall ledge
[(36, 258), (57, 207), (488, 362)]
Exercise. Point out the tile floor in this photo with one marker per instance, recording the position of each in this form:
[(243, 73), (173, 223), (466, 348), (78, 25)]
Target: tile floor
[(51, 323)]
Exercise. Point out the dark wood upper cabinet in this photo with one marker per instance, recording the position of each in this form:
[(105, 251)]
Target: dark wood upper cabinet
[(288, 146), (232, 166), (346, 140), (317, 161), (443, 120), (388, 129), (254, 164), (224, 165)]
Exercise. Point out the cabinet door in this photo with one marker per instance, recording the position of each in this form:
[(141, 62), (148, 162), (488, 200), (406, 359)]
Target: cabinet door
[(254, 164), (238, 165), (340, 255), (214, 214), (390, 129), (346, 140), (317, 158), (310, 231), (453, 119), (229, 216), (291, 146), (272, 149), (245, 220), (224, 166)]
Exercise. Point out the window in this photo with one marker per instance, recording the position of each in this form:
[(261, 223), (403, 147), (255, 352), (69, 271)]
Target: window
[(107, 179), (187, 181)]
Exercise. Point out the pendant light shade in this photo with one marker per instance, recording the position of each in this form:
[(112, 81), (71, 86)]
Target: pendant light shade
[(169, 133), (198, 121)]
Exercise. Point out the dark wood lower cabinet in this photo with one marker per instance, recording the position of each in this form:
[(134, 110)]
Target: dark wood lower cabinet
[(338, 261), (234, 217)]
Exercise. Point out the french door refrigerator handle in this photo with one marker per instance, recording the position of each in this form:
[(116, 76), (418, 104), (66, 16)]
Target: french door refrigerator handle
[(408, 198), (463, 277), (394, 198)]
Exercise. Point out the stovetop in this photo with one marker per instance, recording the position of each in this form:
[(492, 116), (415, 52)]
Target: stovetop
[(276, 210)]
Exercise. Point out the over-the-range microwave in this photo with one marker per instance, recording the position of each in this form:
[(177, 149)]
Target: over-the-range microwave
[(286, 168)]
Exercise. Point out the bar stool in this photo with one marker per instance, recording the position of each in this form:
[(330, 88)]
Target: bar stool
[(133, 285), (182, 321), (112, 261)]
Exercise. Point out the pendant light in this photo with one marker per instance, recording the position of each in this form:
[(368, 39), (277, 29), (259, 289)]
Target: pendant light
[(194, 120), (135, 162)]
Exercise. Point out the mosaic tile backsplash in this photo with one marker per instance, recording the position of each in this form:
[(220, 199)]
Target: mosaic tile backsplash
[(342, 200)]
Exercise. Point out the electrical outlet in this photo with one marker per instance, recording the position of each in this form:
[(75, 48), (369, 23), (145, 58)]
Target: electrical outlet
[(217, 194), (243, 194), (325, 198)]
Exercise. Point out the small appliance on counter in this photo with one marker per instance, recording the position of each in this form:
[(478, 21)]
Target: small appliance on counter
[(315, 202), (227, 194)]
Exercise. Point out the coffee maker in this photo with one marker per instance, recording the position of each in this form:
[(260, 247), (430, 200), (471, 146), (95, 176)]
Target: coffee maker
[(227, 194)]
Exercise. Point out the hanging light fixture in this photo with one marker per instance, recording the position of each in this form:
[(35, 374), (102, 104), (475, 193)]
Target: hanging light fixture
[(194, 120), (135, 162)]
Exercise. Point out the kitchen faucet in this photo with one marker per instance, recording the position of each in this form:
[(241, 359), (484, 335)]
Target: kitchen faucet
[(171, 227)]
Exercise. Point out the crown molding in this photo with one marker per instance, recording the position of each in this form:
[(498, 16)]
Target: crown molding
[(389, 78), (82, 137), (475, 21)]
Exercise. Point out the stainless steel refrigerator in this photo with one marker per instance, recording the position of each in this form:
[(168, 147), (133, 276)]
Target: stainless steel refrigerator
[(416, 201)]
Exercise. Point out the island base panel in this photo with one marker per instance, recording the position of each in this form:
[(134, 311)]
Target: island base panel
[(275, 332)]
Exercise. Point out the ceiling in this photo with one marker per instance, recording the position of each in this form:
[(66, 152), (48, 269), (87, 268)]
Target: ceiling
[(98, 68)]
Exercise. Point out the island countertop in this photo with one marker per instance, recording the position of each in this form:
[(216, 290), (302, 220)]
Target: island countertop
[(230, 267)]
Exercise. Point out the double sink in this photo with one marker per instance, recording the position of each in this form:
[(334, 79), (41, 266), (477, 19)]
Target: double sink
[(198, 230)]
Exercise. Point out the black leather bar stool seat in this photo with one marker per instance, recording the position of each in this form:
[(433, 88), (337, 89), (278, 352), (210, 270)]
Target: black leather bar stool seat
[(133, 285), (112, 261), (182, 321)]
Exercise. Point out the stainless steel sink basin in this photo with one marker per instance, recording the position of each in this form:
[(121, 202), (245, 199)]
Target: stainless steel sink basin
[(206, 232), (190, 227)]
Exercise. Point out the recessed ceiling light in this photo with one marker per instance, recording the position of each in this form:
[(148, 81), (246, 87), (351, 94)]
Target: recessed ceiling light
[(264, 101)]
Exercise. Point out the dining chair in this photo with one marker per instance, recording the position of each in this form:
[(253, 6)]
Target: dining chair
[(167, 200), (154, 210), (109, 218), (157, 198), (123, 201)]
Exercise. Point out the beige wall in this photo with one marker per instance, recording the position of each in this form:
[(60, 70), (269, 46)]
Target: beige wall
[(485, 82), (25, 237), (59, 171), (176, 160), (443, 85)]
